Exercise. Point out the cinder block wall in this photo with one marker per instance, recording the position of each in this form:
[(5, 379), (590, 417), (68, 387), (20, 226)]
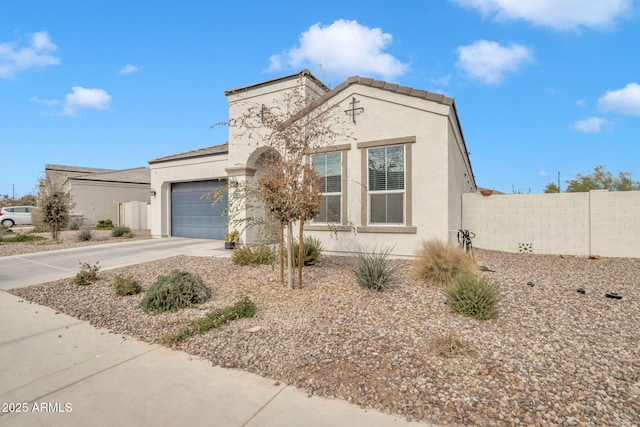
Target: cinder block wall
[(599, 222)]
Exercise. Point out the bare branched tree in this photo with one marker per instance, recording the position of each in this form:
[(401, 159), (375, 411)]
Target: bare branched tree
[(54, 203), (294, 128)]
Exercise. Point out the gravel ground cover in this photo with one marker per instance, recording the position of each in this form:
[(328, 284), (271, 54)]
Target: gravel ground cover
[(553, 356), (66, 239)]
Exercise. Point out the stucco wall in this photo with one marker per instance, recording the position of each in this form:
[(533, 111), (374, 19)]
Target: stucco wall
[(595, 223), (97, 200), (388, 117)]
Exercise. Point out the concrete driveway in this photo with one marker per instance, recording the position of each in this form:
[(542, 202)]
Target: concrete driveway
[(31, 269)]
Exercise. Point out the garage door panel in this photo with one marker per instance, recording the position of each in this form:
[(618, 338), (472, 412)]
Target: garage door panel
[(193, 216)]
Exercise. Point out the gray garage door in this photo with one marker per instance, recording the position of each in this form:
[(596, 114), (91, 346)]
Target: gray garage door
[(192, 216)]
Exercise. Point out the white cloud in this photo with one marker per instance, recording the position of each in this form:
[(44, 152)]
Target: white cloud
[(128, 69), (489, 61), (623, 101), (38, 54), (581, 102), (47, 102), (83, 98), (557, 14), (543, 174), (590, 125), (345, 48)]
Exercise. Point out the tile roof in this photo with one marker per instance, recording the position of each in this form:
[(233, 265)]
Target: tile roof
[(200, 152), (391, 87), (304, 72), (141, 175)]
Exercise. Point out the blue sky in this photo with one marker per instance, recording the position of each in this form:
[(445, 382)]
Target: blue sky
[(541, 86)]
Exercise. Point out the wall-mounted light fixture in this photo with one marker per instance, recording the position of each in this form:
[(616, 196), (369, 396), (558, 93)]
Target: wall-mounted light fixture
[(152, 192)]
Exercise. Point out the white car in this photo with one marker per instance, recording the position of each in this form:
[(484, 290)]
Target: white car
[(12, 215)]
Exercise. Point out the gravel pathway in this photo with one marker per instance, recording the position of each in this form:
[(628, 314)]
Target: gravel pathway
[(553, 357)]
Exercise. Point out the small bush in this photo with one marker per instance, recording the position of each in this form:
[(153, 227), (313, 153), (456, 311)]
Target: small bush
[(256, 255), (127, 286), (178, 290), (449, 346), (120, 231), (75, 224), (85, 235), (373, 270), (22, 238), (311, 250), (474, 296), (440, 263), (87, 275), (104, 224), (215, 319), (232, 236)]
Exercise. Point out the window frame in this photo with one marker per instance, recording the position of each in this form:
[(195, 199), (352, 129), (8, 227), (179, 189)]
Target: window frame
[(342, 224), (365, 225), (331, 193)]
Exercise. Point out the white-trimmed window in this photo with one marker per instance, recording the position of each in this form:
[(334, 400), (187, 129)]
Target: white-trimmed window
[(329, 167), (386, 185)]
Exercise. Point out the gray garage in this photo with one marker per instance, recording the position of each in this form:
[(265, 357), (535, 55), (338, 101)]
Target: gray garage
[(194, 216)]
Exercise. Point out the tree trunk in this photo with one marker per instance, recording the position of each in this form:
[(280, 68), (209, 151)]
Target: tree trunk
[(281, 253), (300, 253), (289, 255)]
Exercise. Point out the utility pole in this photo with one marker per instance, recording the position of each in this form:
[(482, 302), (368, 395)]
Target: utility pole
[(13, 191), (558, 182)]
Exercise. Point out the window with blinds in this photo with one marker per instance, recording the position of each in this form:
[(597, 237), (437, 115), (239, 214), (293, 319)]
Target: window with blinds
[(386, 184), (329, 167)]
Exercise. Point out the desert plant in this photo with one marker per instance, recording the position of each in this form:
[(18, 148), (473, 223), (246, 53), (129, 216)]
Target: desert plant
[(311, 250), (439, 263), (373, 270), (449, 345), (120, 231), (85, 234), (87, 275), (104, 224), (22, 237), (215, 319), (178, 290), (232, 236), (474, 296), (127, 286), (253, 255)]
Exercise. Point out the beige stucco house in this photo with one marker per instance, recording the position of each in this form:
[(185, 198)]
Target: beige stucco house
[(415, 192), (100, 194)]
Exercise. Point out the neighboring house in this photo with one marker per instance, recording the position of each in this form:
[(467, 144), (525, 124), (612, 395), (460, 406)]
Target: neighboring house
[(100, 194), (418, 198)]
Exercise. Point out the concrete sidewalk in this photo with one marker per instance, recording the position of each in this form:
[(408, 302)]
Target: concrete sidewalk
[(56, 370)]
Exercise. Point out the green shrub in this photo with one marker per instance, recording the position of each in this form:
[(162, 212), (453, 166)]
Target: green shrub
[(127, 286), (311, 250), (104, 224), (232, 236), (178, 290), (474, 296), (22, 238), (120, 231), (439, 263), (215, 319), (373, 270), (87, 275), (252, 255), (85, 234)]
